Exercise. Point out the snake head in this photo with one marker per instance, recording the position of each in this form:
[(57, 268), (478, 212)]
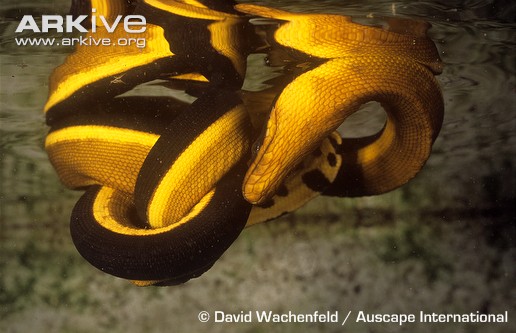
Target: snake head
[(297, 124)]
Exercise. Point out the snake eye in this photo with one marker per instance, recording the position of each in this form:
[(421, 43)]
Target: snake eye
[(255, 147), (257, 144)]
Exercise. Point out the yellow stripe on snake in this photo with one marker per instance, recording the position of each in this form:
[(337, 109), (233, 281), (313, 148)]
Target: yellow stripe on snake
[(170, 185)]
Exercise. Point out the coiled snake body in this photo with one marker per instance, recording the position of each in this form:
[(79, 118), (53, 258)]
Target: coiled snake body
[(170, 185)]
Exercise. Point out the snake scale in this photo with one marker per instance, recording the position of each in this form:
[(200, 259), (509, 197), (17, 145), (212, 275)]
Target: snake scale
[(170, 184)]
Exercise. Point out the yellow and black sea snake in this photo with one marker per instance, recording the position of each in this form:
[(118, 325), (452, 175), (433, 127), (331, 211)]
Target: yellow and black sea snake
[(170, 184)]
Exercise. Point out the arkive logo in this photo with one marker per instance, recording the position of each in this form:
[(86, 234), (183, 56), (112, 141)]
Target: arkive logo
[(69, 23)]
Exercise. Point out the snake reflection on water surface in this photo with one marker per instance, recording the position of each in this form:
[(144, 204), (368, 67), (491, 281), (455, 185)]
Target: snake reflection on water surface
[(170, 185)]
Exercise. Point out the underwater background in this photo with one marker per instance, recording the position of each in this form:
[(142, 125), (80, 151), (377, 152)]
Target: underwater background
[(444, 243)]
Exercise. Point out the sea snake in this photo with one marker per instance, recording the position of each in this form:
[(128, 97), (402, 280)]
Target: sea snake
[(169, 185)]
